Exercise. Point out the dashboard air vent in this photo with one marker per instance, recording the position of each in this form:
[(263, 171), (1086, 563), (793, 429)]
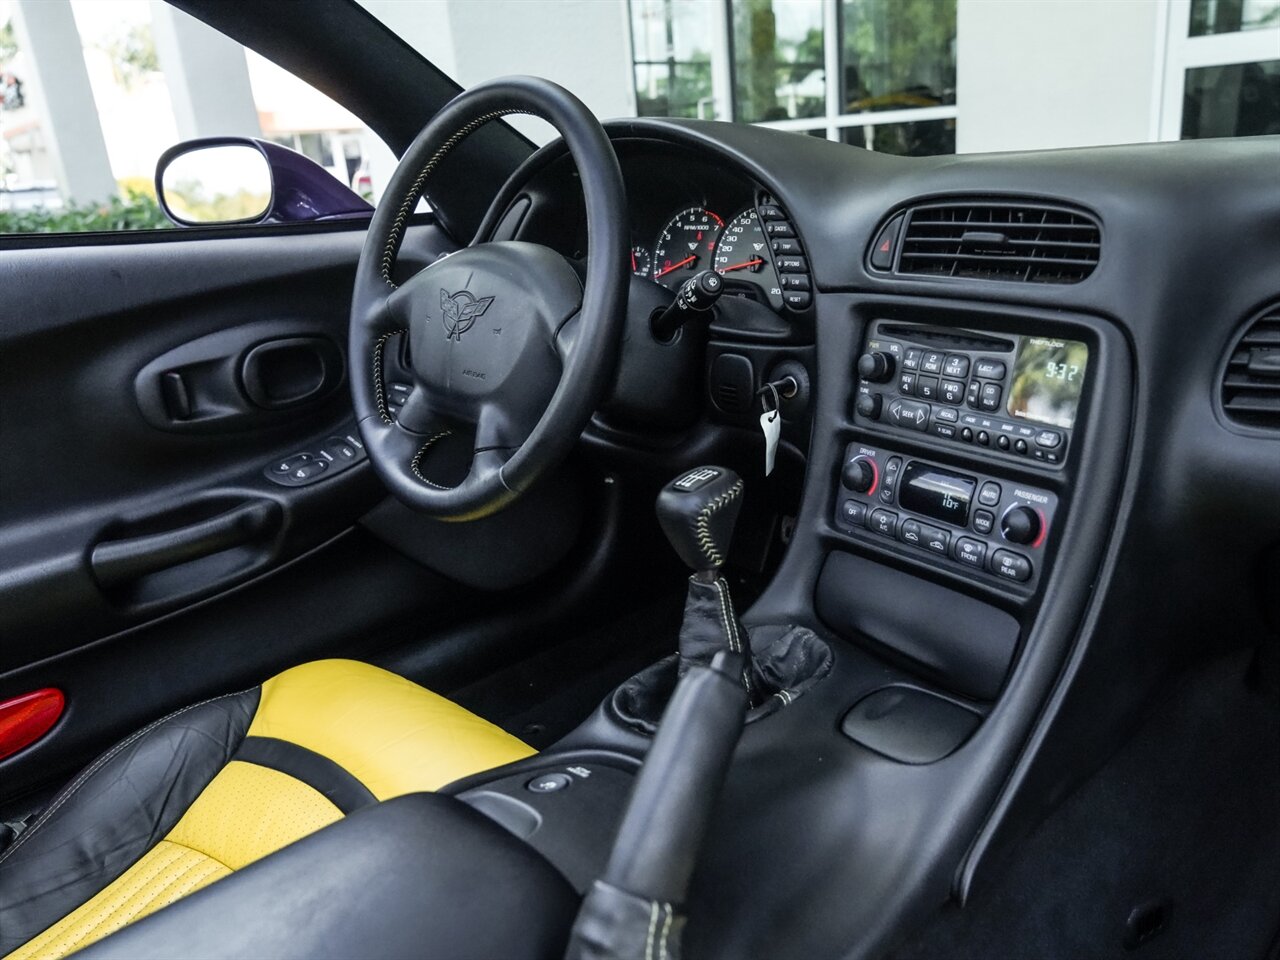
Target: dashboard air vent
[(1024, 242), (1251, 386)]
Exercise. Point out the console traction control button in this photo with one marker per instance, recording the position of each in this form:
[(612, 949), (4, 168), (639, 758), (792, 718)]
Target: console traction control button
[(549, 783), (1010, 565)]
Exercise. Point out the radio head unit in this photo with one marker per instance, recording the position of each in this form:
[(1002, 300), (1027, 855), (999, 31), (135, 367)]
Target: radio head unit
[(1013, 395)]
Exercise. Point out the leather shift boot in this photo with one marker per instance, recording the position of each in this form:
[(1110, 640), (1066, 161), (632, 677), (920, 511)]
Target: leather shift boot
[(711, 625)]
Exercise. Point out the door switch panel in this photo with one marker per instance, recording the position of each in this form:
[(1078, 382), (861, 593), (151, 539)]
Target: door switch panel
[(333, 456), (980, 526)]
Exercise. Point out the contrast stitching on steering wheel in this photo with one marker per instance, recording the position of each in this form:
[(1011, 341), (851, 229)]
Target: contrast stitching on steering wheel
[(415, 191), (702, 528), (378, 393), (417, 459)]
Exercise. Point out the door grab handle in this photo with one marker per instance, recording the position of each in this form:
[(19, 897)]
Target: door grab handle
[(117, 562)]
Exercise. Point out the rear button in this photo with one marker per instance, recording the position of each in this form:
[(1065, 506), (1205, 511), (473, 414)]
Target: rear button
[(1010, 565), (549, 783)]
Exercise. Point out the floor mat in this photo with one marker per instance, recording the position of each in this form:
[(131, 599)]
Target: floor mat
[(544, 697), (1186, 815)]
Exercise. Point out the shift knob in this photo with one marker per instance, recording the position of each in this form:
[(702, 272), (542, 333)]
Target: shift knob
[(697, 511)]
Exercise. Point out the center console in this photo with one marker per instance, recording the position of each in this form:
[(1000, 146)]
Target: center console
[(1004, 402)]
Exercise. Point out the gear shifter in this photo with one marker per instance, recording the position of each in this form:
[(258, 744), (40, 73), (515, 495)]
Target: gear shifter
[(697, 512)]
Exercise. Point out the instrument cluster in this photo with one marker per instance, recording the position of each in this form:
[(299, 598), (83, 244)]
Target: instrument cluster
[(697, 238)]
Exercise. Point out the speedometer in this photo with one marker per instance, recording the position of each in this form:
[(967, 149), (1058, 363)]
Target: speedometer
[(685, 246), (742, 258)]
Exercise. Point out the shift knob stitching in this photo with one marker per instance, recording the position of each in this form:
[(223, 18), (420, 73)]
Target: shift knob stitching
[(702, 524)]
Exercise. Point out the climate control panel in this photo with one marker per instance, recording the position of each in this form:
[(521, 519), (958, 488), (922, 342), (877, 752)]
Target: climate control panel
[(983, 526)]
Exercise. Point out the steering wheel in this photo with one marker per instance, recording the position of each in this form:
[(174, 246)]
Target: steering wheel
[(505, 340)]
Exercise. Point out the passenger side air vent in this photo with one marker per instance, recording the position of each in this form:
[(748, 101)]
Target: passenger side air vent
[(1024, 242), (1251, 386)]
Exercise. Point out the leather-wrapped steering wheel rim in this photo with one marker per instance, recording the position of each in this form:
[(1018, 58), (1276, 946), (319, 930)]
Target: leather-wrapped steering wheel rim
[(505, 338)]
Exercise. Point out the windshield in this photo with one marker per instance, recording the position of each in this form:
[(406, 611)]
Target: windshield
[(92, 92)]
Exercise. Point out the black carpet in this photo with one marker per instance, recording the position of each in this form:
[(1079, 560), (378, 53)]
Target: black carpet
[(1186, 815)]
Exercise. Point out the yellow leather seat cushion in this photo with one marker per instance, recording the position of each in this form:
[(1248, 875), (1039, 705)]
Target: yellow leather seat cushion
[(392, 735)]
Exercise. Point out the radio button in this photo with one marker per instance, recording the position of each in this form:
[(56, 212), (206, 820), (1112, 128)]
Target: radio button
[(989, 369), (1011, 566), (989, 398), (989, 495), (1048, 438), (953, 391), (906, 384), (971, 397), (927, 388), (984, 438), (910, 414), (1020, 446), (944, 430), (910, 533), (931, 362), (946, 414), (884, 522), (911, 361), (956, 365), (854, 513), (966, 434), (970, 552), (1002, 442)]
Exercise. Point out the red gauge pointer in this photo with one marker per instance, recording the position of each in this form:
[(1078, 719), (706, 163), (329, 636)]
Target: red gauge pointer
[(743, 266), (633, 261), (675, 266)]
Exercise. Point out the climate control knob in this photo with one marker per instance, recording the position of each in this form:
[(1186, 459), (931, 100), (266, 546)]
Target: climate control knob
[(875, 367), (1020, 525), (859, 475)]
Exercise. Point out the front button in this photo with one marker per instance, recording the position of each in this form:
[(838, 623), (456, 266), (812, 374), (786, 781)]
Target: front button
[(1011, 566), (970, 552), (549, 783), (989, 495), (884, 522)]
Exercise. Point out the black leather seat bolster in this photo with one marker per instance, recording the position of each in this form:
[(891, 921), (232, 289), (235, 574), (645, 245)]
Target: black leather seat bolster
[(114, 812), (420, 875)]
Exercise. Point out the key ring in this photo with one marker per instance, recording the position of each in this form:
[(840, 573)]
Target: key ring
[(773, 391)]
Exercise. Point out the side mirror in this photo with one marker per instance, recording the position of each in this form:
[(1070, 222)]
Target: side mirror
[(228, 180)]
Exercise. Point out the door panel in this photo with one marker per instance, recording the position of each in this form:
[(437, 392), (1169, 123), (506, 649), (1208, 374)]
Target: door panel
[(154, 399)]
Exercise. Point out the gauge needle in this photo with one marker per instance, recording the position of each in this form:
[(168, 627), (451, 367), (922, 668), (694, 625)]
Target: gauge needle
[(675, 266), (742, 266)]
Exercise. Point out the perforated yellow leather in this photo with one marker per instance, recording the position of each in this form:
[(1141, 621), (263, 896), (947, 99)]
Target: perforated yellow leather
[(248, 811), (392, 735), (245, 813), (167, 872)]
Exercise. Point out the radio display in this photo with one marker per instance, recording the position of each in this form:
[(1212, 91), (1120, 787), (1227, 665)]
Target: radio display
[(1048, 376), (936, 493)]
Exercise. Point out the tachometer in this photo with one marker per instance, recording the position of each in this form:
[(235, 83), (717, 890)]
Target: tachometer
[(685, 246), (742, 258)]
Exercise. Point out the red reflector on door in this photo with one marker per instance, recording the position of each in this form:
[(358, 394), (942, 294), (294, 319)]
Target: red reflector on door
[(25, 719)]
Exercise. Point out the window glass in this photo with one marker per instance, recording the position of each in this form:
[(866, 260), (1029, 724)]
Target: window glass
[(1232, 100), (1231, 16), (671, 57), (923, 138), (897, 54), (92, 92), (778, 61)]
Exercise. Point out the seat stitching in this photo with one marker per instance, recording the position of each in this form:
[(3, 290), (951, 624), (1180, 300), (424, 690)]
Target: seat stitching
[(96, 766), (653, 923), (666, 929)]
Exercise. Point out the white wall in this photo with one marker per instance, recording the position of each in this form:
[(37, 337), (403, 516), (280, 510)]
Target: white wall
[(1036, 74), (584, 45)]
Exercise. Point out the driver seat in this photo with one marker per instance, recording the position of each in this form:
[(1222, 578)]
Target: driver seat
[(213, 787)]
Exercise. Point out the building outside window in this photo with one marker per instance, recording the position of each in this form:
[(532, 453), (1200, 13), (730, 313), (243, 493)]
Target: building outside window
[(877, 73)]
